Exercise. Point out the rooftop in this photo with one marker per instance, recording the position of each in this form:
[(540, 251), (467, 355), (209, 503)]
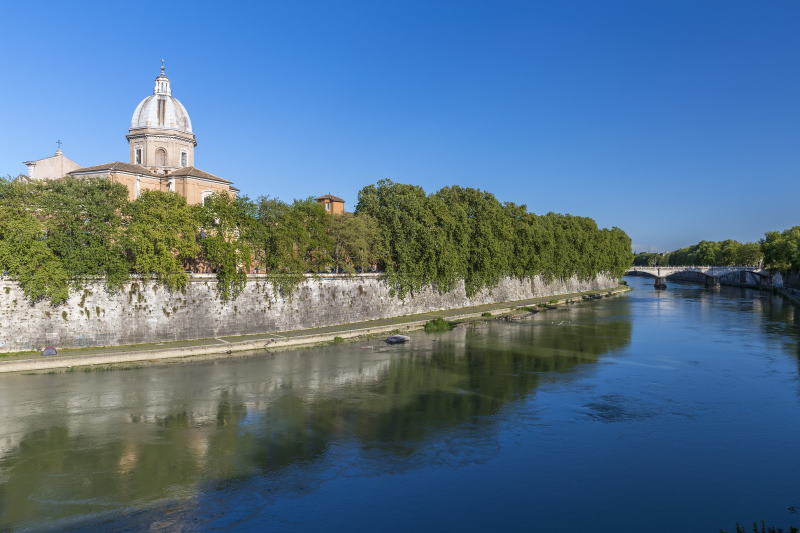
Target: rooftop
[(330, 197), (117, 166), (193, 172)]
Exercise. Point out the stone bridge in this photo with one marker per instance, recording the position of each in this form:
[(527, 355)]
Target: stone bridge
[(710, 274)]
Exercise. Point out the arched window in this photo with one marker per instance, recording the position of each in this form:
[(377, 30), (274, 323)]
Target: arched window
[(161, 157), (204, 196), (184, 159)]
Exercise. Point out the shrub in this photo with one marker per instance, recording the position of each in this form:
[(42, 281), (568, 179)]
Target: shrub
[(437, 325)]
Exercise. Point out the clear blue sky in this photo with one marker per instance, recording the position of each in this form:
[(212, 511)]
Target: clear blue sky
[(675, 120)]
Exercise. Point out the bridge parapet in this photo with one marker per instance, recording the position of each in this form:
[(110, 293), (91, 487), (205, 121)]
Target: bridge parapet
[(712, 273), (708, 270)]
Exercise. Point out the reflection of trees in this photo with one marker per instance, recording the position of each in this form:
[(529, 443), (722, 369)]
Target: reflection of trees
[(781, 321), (58, 467), (470, 372), (495, 365)]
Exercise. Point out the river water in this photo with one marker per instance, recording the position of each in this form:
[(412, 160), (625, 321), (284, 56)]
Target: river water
[(674, 411)]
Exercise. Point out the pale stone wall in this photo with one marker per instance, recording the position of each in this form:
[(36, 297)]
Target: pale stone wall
[(140, 314), (51, 168), (193, 189), (149, 140)]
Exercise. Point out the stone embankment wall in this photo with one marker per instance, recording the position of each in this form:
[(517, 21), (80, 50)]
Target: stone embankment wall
[(791, 286), (735, 279), (143, 313), (792, 280)]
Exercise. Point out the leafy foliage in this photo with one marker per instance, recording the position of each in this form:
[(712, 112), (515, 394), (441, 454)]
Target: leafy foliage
[(84, 228), (56, 235), (289, 240), (223, 219), (355, 242), (161, 232), (80, 222), (782, 249), (467, 234), (24, 255), (722, 253), (438, 325)]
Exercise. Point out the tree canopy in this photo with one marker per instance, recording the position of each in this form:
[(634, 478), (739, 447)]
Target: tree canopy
[(57, 235), (782, 249), (721, 253), (467, 234)]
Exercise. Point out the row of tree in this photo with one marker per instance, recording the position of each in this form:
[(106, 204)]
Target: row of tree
[(57, 235), (466, 234), (776, 251), (705, 253)]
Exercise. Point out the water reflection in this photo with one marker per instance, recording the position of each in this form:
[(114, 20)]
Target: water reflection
[(76, 444), (775, 315)]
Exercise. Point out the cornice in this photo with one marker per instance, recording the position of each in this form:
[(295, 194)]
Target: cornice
[(143, 133)]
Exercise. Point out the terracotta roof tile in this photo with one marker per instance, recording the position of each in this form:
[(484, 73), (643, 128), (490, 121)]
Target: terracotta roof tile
[(330, 197), (117, 165), (193, 172)]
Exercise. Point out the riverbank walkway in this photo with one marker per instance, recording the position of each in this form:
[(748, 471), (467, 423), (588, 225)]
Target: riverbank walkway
[(70, 358)]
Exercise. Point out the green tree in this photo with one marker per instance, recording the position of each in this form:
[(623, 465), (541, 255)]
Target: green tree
[(225, 223), (289, 240), (418, 252), (707, 252), (727, 252), (749, 253), (466, 234), (782, 249), (355, 240), (84, 227), (160, 234), (25, 256), (485, 233)]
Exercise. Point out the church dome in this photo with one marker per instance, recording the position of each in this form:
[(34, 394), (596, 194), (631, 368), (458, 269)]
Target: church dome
[(161, 110)]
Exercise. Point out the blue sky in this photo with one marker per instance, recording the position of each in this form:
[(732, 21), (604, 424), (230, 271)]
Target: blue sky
[(675, 120)]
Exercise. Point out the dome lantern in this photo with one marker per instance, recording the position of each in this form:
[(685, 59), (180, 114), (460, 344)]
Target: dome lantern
[(162, 83)]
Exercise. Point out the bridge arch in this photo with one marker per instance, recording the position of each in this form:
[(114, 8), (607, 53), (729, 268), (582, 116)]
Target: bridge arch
[(710, 275)]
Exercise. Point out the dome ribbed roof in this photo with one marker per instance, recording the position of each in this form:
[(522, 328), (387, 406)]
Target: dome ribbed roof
[(175, 116), (161, 109)]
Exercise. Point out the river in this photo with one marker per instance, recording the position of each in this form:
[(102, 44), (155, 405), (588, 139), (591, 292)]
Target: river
[(673, 411)]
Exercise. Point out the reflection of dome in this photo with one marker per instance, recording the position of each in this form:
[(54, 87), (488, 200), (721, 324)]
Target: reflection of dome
[(161, 110)]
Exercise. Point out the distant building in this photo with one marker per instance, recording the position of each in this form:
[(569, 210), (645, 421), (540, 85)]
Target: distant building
[(161, 143), (332, 204), (50, 168)]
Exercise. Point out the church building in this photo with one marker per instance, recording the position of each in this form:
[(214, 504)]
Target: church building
[(161, 147)]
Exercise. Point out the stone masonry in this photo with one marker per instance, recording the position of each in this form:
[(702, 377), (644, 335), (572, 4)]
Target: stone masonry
[(145, 313)]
